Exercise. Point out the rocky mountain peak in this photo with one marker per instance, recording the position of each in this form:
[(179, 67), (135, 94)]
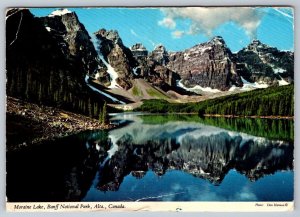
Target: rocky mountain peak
[(73, 39), (256, 42), (117, 55), (160, 48), (263, 63), (257, 46), (217, 40), (159, 55), (207, 64), (139, 51), (111, 35), (138, 46), (63, 21), (46, 72)]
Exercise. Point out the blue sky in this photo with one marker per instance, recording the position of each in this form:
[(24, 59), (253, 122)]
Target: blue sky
[(181, 28)]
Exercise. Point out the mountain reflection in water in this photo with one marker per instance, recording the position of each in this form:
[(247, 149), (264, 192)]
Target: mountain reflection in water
[(165, 161), (203, 151)]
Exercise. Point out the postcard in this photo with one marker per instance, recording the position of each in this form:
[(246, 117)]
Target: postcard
[(159, 109)]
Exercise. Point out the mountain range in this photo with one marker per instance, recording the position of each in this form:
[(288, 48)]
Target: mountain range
[(53, 60)]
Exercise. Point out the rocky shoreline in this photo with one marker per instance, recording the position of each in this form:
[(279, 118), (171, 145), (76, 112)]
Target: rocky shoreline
[(28, 123), (249, 116)]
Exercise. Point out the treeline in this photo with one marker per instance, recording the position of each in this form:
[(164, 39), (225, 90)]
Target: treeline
[(273, 101), (162, 119), (273, 129), (103, 116)]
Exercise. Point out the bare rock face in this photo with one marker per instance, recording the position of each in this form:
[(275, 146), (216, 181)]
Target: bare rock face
[(208, 65), (155, 70), (140, 54), (74, 41), (117, 55), (164, 76), (259, 62), (159, 55), (152, 67)]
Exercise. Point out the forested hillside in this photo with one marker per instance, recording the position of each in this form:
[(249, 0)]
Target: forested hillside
[(273, 101), (40, 71)]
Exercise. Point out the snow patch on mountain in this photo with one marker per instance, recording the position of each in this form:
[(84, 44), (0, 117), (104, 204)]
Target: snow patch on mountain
[(233, 88), (278, 70), (101, 92), (97, 75), (282, 82), (134, 71), (110, 70), (195, 51), (60, 12), (112, 73), (255, 85), (197, 87)]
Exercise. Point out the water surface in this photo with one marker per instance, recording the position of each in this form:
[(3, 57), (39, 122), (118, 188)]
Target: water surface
[(160, 158)]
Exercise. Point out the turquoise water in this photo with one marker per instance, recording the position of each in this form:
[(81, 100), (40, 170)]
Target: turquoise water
[(179, 186)]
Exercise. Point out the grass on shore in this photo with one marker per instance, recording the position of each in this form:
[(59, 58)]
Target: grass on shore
[(155, 93)]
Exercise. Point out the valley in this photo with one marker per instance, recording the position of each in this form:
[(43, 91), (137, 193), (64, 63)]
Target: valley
[(124, 75), (92, 69)]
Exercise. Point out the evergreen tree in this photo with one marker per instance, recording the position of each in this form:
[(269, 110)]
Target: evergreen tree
[(90, 108), (100, 116), (271, 101), (104, 114)]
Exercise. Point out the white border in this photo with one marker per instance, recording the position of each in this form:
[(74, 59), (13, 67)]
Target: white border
[(79, 3), (185, 206)]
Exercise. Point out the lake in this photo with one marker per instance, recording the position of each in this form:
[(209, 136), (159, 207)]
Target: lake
[(160, 158)]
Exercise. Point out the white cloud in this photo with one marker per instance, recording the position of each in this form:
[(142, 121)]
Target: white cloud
[(206, 193), (177, 34), (167, 22), (204, 20)]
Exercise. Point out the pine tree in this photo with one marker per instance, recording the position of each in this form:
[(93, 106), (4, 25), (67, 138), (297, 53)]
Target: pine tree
[(90, 107), (100, 116), (104, 114)]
